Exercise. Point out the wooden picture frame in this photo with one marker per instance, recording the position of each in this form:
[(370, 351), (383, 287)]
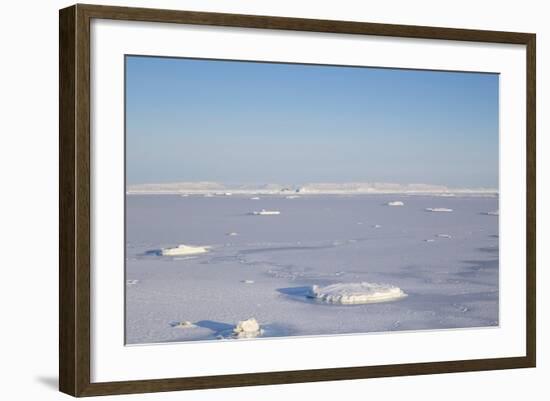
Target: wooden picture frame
[(75, 198)]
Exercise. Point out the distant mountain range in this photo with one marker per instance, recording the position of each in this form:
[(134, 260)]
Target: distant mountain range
[(214, 188)]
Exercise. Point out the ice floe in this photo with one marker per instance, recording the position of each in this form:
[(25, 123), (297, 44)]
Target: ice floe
[(247, 281), (183, 250), (356, 293), (255, 198), (493, 213), (448, 236), (185, 324), (292, 197), (376, 226), (249, 328), (396, 203), (232, 234), (264, 212), (438, 209)]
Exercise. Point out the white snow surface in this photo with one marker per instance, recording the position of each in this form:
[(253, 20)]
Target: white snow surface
[(356, 293), (450, 283)]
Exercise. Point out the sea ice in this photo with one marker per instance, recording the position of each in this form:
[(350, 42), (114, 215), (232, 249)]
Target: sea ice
[(438, 209), (255, 198), (493, 213), (264, 212), (182, 250), (444, 236), (232, 234), (247, 281), (185, 324), (356, 293), (396, 203), (249, 328)]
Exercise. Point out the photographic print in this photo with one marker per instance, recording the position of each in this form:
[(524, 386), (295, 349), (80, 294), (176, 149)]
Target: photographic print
[(272, 200)]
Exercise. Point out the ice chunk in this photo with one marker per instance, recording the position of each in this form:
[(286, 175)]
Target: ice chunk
[(438, 209), (444, 236), (264, 212), (396, 203), (185, 324), (292, 197), (183, 250), (255, 198), (356, 293), (232, 234), (247, 281), (249, 328), (377, 226), (493, 213)]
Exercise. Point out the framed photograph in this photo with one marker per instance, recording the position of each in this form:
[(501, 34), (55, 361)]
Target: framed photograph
[(249, 200)]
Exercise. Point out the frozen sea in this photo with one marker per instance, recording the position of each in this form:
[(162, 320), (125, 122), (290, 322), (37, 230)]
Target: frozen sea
[(446, 262)]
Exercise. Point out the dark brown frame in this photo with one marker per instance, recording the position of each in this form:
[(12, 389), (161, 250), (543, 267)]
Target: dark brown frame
[(74, 199)]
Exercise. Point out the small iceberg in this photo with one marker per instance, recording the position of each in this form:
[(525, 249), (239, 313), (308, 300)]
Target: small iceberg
[(249, 328), (356, 293), (184, 250), (185, 324), (292, 197), (255, 198), (492, 213), (232, 234), (377, 226), (429, 240), (396, 203), (438, 209), (247, 281), (448, 236), (264, 212)]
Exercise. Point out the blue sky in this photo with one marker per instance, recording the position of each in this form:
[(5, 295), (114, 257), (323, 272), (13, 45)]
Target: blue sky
[(245, 122)]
